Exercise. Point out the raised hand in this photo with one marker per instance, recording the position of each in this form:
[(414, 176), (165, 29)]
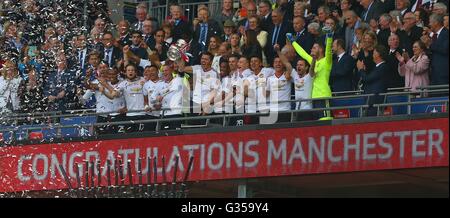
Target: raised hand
[(290, 37), (276, 48), (399, 57), (405, 56), (126, 49)]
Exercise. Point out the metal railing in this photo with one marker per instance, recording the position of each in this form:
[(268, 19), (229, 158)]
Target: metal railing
[(226, 117)]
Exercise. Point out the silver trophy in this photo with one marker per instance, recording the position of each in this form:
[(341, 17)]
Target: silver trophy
[(178, 51)]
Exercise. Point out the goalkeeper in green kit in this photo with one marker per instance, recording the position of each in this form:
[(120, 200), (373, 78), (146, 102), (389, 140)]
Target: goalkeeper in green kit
[(321, 72)]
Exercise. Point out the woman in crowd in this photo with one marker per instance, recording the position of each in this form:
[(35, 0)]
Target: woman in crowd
[(251, 46), (213, 46), (421, 17), (14, 41), (254, 23), (234, 41), (168, 38), (416, 69), (299, 9)]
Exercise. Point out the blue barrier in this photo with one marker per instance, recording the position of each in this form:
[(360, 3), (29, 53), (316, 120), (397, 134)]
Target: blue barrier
[(75, 121), (429, 108), (401, 109), (354, 112)]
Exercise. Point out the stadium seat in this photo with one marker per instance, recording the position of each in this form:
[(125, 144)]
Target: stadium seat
[(396, 110), (347, 113), (36, 136), (341, 114)]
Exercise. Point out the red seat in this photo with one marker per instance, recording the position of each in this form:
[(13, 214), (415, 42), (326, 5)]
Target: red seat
[(341, 114), (1, 137), (247, 120), (388, 111), (36, 136)]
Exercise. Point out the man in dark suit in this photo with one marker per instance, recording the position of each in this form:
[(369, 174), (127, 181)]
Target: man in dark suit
[(339, 33), (430, 4), (229, 27), (82, 53), (372, 10), (179, 25), (205, 28), (147, 33), (411, 30), (136, 45), (59, 86), (385, 30), (277, 34), (303, 37), (109, 53), (265, 11), (375, 80), (394, 78), (124, 34), (439, 51), (251, 10), (352, 22), (342, 70), (404, 6), (160, 46), (141, 15)]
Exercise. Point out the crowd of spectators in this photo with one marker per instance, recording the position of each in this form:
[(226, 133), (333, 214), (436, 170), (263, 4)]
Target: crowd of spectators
[(243, 60)]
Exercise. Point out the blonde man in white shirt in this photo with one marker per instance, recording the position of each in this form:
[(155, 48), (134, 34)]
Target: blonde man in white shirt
[(132, 90)]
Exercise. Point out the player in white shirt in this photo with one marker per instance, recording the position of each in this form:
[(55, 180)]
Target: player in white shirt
[(132, 90), (9, 88), (303, 83), (102, 101), (236, 95), (115, 104), (170, 99), (279, 86), (249, 85), (261, 73), (244, 67), (224, 89), (152, 85), (234, 99), (106, 103), (204, 82), (255, 89)]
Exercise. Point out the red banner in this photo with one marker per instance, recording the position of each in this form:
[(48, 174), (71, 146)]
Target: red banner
[(260, 153)]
